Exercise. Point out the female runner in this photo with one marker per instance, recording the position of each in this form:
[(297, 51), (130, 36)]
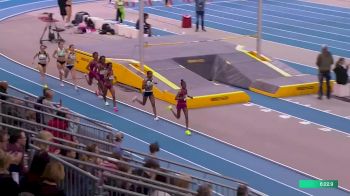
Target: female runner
[(108, 78), (92, 67), (181, 103), (43, 60), (70, 65), (61, 55), (147, 87)]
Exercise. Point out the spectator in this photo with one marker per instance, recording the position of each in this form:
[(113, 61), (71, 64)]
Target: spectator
[(3, 89), (147, 27), (4, 140), (39, 117), (117, 149), (30, 116), (8, 186), (324, 63), (200, 7), (39, 162), (50, 105), (119, 6), (341, 72), (204, 190), (16, 146), (70, 153), (59, 123), (53, 174), (93, 159), (153, 149), (242, 190)]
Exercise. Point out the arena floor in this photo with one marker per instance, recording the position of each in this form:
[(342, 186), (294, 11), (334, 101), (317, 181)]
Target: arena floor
[(270, 143)]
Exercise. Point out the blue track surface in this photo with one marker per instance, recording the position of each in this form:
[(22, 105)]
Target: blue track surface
[(291, 22), (198, 149)]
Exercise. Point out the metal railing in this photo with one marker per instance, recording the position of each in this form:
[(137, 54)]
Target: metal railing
[(199, 180), (199, 175), (77, 182), (112, 175)]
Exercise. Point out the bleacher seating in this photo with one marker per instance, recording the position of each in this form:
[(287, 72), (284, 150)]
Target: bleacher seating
[(104, 171)]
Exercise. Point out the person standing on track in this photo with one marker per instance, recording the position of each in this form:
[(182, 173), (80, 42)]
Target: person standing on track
[(43, 61), (71, 57), (324, 63), (181, 103), (61, 55), (120, 15), (68, 9), (108, 78), (147, 87), (62, 6), (200, 7)]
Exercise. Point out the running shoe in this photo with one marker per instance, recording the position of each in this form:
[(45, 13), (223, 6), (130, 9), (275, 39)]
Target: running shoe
[(156, 118), (62, 84), (170, 107), (76, 87), (134, 99), (115, 109), (106, 103)]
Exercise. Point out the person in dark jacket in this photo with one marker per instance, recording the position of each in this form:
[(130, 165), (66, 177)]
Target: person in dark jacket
[(146, 26), (324, 63), (200, 7), (341, 72)]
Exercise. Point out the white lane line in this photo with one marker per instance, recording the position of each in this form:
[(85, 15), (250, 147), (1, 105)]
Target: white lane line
[(305, 122), (266, 27), (284, 116), (249, 104), (275, 10), (272, 21), (251, 30), (15, 6), (325, 129), (266, 110), (282, 17), (310, 6)]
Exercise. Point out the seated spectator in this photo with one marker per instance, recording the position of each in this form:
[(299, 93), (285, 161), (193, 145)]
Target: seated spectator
[(59, 123), (204, 190), (8, 186), (30, 116), (39, 162), (4, 140), (3, 89), (50, 105), (182, 181), (153, 150), (117, 149), (39, 117), (242, 190), (52, 176), (70, 153), (341, 72), (16, 146), (93, 159), (147, 27)]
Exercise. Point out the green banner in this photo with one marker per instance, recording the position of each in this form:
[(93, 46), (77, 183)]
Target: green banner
[(318, 184)]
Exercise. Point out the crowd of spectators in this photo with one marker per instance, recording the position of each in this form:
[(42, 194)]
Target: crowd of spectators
[(39, 174)]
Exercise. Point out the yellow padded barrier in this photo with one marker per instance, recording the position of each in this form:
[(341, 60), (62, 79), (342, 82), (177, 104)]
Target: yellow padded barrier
[(131, 78), (293, 90)]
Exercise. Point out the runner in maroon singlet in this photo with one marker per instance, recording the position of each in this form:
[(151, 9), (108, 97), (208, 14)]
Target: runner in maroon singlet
[(181, 103)]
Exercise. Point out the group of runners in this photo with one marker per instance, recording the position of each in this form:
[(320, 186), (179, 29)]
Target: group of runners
[(101, 71), (65, 60)]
